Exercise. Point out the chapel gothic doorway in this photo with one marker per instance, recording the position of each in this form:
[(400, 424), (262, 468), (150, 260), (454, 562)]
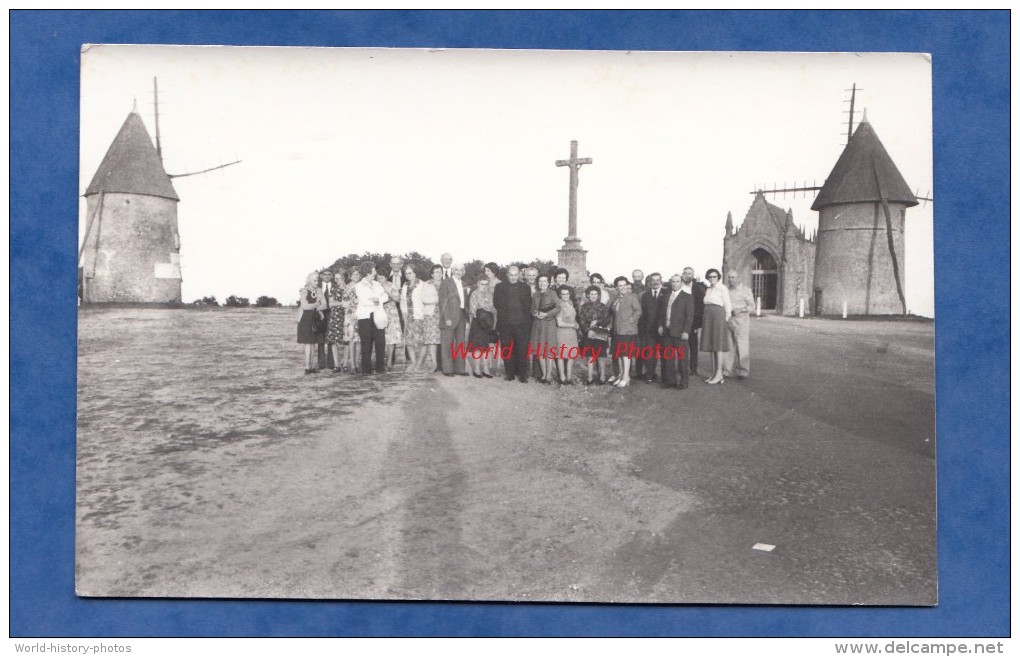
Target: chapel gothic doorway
[(764, 278)]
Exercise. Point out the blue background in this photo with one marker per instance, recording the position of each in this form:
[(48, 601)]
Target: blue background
[(971, 111)]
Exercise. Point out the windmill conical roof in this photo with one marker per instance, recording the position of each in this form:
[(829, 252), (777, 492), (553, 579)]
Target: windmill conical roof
[(862, 167), (131, 165)]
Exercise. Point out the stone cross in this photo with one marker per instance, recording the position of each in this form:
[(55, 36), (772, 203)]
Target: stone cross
[(574, 163)]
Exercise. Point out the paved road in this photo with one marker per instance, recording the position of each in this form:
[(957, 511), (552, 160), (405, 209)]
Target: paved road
[(827, 452)]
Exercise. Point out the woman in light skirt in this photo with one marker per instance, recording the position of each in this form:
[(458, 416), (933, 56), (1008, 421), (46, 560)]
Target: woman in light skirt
[(714, 336), (566, 334)]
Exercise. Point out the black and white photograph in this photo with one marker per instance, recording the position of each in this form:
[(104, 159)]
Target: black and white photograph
[(506, 325)]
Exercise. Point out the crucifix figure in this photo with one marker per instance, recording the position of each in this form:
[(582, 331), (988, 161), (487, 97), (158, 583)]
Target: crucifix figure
[(574, 163), (572, 257)]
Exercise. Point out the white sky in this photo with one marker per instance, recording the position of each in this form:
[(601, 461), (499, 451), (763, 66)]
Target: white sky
[(454, 150)]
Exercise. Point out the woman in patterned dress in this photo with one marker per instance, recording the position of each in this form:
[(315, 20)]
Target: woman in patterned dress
[(595, 315), (481, 331), (430, 312), (411, 306), (335, 332), (351, 339), (491, 272), (394, 335)]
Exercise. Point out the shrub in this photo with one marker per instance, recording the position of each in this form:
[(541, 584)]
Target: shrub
[(236, 302), (267, 302)]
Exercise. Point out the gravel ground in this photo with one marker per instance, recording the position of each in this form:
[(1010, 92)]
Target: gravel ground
[(209, 465)]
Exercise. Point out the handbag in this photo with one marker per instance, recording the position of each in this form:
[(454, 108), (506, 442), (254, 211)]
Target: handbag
[(379, 316), (485, 321), (597, 333)]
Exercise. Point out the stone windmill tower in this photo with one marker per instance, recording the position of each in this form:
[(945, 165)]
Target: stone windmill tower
[(861, 214), (131, 250), (859, 247)]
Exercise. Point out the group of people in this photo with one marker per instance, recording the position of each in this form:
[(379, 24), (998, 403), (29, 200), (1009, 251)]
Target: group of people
[(535, 324)]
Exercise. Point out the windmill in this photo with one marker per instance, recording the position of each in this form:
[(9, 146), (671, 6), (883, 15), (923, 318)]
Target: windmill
[(861, 214), (131, 249)]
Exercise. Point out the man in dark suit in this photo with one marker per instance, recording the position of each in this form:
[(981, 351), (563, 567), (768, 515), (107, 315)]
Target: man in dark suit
[(452, 320), (447, 261), (512, 299), (675, 328), (698, 292), (652, 305)]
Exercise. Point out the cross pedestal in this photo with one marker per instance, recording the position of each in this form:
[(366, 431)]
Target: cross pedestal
[(572, 257)]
